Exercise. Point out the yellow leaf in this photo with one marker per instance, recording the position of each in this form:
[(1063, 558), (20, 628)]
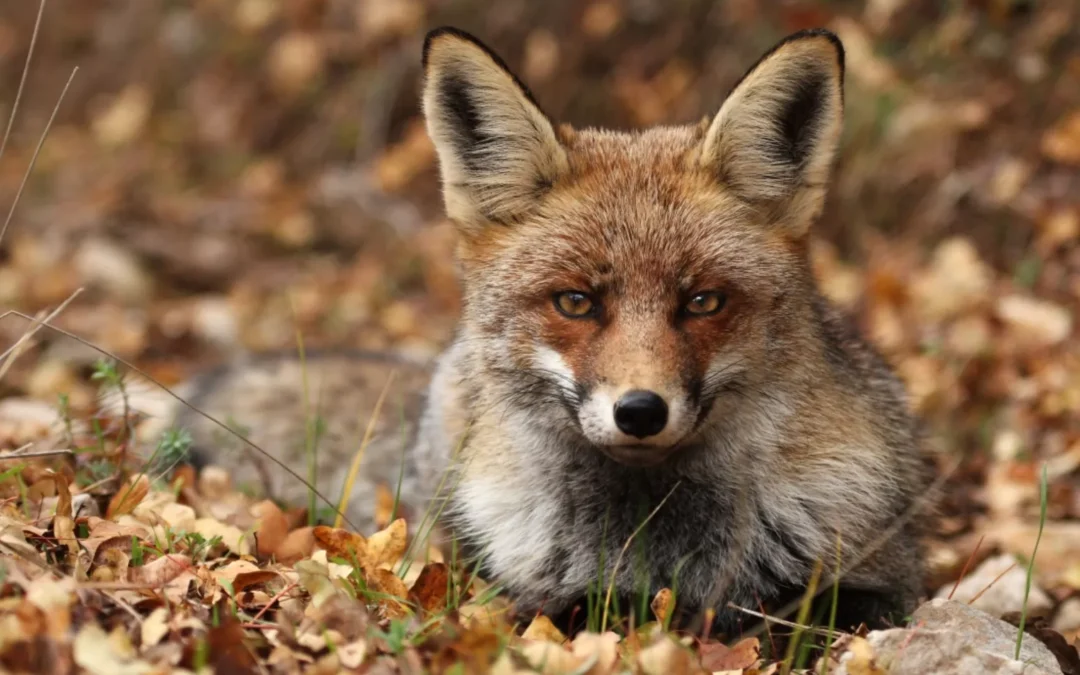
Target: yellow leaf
[(342, 544), (663, 604), (388, 545), (543, 630), (128, 497)]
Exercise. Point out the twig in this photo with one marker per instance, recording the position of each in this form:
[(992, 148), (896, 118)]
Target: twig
[(964, 569), (990, 585), (37, 151), (783, 622), (22, 81), (40, 453), (274, 599), (12, 352)]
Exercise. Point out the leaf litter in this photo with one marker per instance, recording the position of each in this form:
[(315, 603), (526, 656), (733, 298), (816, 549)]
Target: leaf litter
[(953, 233)]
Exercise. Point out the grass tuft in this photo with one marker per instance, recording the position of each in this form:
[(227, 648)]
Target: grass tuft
[(1043, 499), (354, 468)]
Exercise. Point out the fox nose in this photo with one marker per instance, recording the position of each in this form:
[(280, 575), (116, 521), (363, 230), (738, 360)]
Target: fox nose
[(641, 413)]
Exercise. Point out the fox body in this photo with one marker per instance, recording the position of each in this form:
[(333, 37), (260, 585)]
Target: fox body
[(643, 353)]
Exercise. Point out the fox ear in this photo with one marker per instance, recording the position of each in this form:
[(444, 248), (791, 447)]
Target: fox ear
[(775, 137), (498, 152)]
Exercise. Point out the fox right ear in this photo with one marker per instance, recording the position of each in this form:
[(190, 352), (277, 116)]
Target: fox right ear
[(775, 137), (498, 152)]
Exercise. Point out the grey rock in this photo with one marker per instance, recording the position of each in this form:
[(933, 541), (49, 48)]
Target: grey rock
[(947, 637)]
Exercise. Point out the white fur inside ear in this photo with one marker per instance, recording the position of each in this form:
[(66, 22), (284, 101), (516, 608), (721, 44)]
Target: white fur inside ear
[(498, 152), (774, 139)]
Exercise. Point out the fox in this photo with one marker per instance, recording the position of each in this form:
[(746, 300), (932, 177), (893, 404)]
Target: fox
[(643, 363)]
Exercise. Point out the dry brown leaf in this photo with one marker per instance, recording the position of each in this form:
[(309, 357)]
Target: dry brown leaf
[(343, 544), (241, 574), (296, 545), (550, 658), (231, 536), (352, 654), (542, 629), (112, 564), (271, 527), (862, 660), (718, 656), (64, 521), (430, 588), (667, 657), (159, 572), (390, 583), (228, 651), (154, 628), (128, 497), (107, 654), (663, 604), (602, 648), (387, 545), (1061, 142), (54, 598)]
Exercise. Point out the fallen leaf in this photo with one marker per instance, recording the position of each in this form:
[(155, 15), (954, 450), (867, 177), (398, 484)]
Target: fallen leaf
[(128, 497), (231, 536), (551, 659), (271, 527), (430, 588), (228, 651), (667, 657), (663, 604), (601, 648), (352, 655), (862, 660), (107, 654), (388, 545), (154, 628), (543, 630), (64, 521), (159, 572), (1061, 143), (342, 544), (296, 545), (718, 656)]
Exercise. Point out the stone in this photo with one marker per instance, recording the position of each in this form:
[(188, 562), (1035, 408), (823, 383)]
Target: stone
[(947, 637)]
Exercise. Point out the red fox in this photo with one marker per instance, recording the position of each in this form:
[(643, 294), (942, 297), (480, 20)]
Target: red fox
[(643, 354)]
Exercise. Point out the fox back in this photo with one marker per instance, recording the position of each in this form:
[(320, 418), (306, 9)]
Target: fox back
[(644, 355)]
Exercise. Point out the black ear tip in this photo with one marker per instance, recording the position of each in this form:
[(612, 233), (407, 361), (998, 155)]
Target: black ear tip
[(442, 31), (833, 39)]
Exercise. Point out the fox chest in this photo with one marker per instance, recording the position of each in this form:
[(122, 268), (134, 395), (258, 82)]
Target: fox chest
[(548, 539)]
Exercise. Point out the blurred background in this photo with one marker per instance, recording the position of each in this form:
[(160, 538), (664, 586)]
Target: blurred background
[(224, 174)]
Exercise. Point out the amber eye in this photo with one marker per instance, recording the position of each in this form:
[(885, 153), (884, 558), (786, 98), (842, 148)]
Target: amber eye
[(706, 304), (574, 304)]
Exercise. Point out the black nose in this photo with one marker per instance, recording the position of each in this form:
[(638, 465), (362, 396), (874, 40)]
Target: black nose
[(640, 413)]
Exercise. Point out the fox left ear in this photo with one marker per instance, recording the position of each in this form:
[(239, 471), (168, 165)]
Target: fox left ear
[(498, 152), (775, 137)]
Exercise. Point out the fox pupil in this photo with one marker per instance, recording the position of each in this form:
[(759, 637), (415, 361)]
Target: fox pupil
[(704, 304), (574, 304)]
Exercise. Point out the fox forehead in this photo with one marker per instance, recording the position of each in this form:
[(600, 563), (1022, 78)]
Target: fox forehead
[(633, 209)]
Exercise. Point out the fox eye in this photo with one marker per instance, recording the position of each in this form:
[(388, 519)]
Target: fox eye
[(706, 304), (575, 304)]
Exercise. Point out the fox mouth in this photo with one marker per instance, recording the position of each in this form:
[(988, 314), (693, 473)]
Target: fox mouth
[(637, 455)]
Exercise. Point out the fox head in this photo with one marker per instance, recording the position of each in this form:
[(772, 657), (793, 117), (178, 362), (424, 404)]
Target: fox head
[(635, 285)]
